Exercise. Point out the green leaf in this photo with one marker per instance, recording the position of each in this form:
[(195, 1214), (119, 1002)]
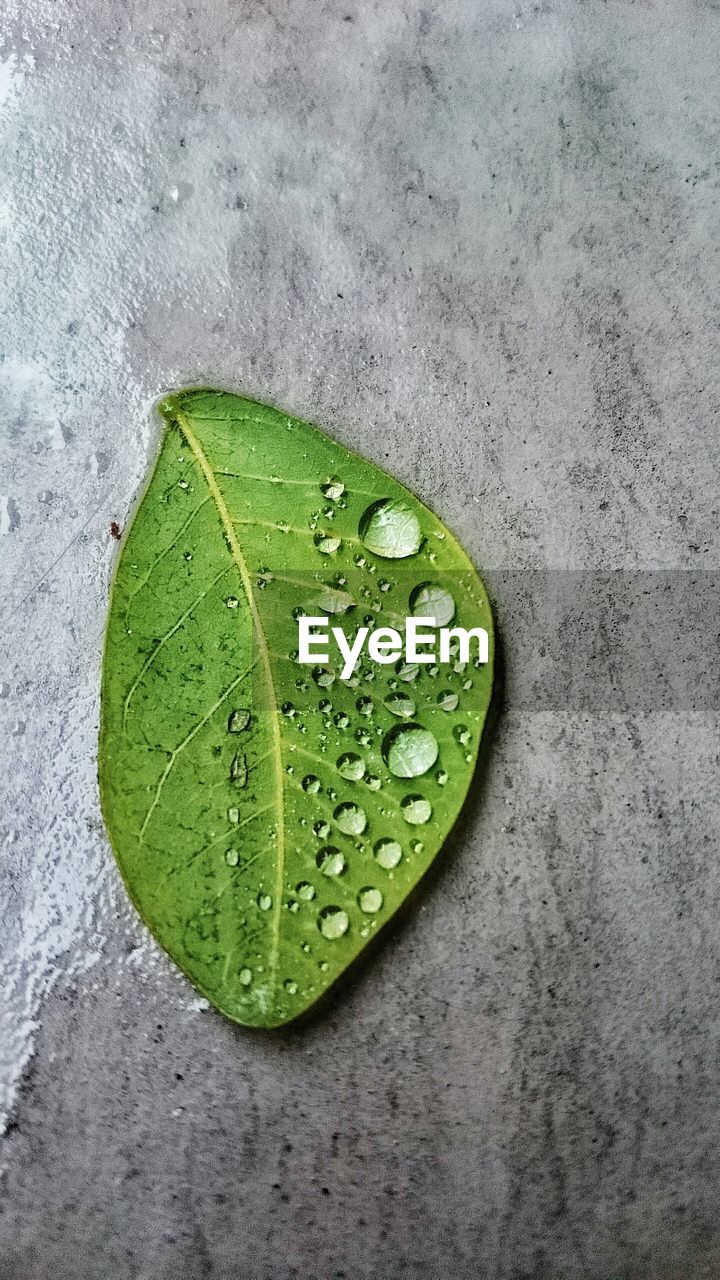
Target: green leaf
[(269, 817)]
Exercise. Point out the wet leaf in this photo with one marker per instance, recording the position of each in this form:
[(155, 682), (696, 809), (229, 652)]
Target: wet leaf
[(269, 817)]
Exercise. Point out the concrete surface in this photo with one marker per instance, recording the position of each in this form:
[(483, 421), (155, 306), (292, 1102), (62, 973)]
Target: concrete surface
[(479, 243)]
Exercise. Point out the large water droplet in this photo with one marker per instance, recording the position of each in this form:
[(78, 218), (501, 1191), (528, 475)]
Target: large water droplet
[(416, 810), (409, 750), (351, 819), (330, 861), (432, 601), (370, 900), (351, 766), (401, 705), (388, 853), (238, 720), (390, 529), (333, 922), (447, 700)]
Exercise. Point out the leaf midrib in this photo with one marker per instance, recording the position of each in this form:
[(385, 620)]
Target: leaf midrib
[(238, 557)]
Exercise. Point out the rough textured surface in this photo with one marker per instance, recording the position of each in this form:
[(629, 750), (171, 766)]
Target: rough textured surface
[(476, 242)]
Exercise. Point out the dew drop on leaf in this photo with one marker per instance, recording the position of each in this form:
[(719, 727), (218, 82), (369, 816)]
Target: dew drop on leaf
[(416, 810), (322, 829), (311, 783), (332, 489), (447, 700), (365, 706), (432, 601), (238, 720), (333, 923), (330, 861), (305, 890), (326, 544), (350, 818), (245, 976), (388, 853), (264, 901), (239, 770), (409, 750), (400, 704), (351, 766), (232, 602), (370, 900), (389, 528), (462, 733), (232, 857), (291, 986), (406, 670)]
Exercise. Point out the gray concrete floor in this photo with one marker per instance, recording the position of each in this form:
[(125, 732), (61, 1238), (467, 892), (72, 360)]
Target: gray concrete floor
[(477, 242)]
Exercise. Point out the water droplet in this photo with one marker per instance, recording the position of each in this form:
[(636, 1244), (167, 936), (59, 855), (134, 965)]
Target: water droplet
[(332, 489), (416, 810), (335, 601), (388, 853), (384, 585), (232, 857), (238, 720), (288, 710), (239, 770), (370, 900), (305, 890), (409, 750), (406, 670), (311, 783), (245, 976), (365, 706), (342, 720), (322, 829), (330, 861), (183, 484), (233, 815), (363, 737), (351, 766), (333, 923), (264, 901), (389, 528), (359, 560), (326, 544), (291, 986), (401, 705), (432, 601), (462, 733), (350, 818), (188, 555), (441, 777), (373, 782), (232, 602), (323, 677), (418, 846)]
